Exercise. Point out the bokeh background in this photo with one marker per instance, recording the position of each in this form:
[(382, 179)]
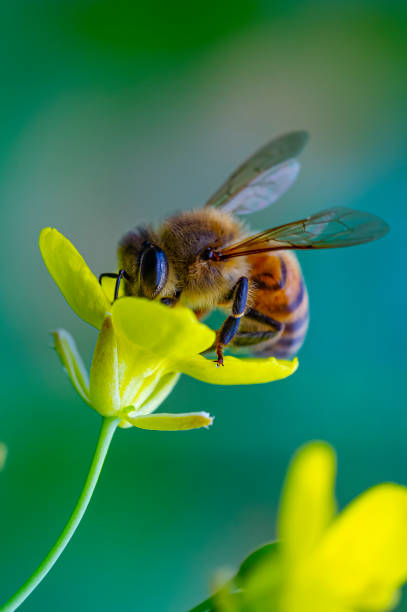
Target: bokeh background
[(118, 113)]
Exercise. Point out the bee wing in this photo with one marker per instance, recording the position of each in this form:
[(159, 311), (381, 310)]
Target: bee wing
[(331, 228), (263, 178)]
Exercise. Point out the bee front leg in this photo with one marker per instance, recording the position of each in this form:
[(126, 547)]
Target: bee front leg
[(118, 277), (231, 324)]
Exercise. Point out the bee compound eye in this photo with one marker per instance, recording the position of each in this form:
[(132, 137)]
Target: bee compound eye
[(153, 271)]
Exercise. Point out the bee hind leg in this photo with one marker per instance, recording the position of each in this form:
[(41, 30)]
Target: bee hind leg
[(256, 315), (251, 338)]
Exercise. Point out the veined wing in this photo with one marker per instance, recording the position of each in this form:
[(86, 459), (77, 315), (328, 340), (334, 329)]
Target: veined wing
[(263, 178), (331, 228)]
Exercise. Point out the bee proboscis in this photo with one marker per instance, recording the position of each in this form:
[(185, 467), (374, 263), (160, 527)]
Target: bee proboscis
[(206, 258)]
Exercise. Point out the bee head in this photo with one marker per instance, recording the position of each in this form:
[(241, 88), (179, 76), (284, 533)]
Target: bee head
[(146, 264), (181, 257)]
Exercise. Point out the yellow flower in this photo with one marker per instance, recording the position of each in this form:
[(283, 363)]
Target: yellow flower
[(141, 348), (119, 387), (322, 562)]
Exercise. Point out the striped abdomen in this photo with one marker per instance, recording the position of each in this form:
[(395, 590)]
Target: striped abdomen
[(279, 293)]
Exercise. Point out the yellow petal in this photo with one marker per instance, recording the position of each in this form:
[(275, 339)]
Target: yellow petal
[(160, 393), (299, 593), (76, 282), (363, 558), (246, 371), (307, 504), (72, 362), (168, 333), (137, 382), (104, 390), (171, 422), (176, 336), (152, 391)]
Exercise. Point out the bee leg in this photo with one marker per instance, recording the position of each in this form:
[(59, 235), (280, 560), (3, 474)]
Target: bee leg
[(231, 324), (121, 274), (258, 316), (107, 275), (250, 338)]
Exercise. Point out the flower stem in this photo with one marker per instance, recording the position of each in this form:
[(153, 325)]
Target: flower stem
[(107, 430)]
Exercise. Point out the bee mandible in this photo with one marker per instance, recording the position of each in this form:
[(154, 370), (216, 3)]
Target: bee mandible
[(207, 258)]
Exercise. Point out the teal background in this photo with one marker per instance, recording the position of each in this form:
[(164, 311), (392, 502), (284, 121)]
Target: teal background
[(116, 113)]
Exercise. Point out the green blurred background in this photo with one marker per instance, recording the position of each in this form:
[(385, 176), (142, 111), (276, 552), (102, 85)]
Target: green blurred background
[(118, 113)]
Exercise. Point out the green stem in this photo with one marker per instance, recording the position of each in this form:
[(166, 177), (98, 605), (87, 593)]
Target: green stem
[(107, 430)]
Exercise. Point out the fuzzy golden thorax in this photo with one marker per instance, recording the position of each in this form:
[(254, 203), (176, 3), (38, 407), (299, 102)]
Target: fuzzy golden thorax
[(184, 237)]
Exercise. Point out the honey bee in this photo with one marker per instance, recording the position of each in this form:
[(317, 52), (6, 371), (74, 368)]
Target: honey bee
[(207, 258)]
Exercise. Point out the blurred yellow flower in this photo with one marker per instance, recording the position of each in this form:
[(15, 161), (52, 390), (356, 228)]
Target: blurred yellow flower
[(347, 563), (141, 349), (322, 562)]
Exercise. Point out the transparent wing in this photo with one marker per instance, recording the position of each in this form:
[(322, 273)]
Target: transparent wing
[(264, 189), (263, 178), (331, 228)]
